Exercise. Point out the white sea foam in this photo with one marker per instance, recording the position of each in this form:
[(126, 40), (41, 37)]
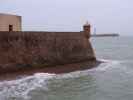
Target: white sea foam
[(108, 64), (72, 74), (20, 88)]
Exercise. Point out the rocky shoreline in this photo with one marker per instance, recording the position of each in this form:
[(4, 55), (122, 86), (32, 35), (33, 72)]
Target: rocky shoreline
[(57, 69)]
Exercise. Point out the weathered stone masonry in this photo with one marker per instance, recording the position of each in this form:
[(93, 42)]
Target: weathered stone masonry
[(27, 51), (21, 50), (34, 48)]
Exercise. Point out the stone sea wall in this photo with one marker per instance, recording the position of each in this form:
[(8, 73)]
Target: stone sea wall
[(43, 48)]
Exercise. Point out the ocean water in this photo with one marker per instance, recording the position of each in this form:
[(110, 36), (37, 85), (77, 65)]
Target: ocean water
[(112, 80)]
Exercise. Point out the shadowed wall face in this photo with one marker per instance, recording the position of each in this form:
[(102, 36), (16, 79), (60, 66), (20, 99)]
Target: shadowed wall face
[(10, 22), (44, 48)]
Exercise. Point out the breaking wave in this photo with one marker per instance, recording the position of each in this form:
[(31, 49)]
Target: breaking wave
[(108, 64), (19, 89)]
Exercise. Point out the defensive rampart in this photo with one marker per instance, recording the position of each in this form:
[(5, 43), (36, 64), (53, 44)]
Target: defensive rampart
[(43, 48)]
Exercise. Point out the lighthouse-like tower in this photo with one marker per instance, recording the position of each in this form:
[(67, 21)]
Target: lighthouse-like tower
[(87, 30)]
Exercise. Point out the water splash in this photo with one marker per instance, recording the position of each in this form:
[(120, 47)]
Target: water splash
[(19, 89), (108, 64)]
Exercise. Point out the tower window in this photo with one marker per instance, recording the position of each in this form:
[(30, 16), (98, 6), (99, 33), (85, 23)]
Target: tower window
[(10, 28)]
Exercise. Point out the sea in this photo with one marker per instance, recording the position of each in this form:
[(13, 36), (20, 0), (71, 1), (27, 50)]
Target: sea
[(111, 80)]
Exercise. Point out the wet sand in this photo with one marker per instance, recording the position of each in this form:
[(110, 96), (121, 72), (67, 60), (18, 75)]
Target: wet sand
[(59, 69)]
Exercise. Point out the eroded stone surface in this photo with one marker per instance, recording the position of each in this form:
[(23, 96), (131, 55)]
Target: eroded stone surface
[(23, 49)]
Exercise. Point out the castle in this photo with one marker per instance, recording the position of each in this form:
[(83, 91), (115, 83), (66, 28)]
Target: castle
[(32, 48)]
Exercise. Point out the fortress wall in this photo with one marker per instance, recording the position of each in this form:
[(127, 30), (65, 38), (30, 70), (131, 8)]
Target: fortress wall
[(35, 48)]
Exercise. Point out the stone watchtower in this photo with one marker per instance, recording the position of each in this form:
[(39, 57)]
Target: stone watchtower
[(87, 30), (87, 33)]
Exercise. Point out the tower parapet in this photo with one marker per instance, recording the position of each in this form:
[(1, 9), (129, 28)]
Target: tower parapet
[(87, 30)]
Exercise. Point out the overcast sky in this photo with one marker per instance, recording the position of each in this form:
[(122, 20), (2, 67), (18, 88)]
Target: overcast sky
[(69, 15)]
